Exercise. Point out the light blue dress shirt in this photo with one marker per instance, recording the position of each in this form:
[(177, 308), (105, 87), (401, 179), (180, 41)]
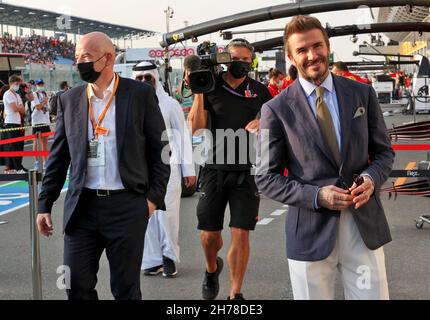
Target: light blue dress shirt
[(330, 100)]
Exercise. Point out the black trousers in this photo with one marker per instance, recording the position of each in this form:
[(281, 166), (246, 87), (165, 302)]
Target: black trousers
[(117, 224)]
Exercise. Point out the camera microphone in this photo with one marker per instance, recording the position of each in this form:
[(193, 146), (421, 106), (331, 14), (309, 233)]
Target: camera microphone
[(192, 63)]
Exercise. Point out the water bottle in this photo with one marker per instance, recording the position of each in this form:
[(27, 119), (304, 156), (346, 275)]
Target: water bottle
[(36, 165)]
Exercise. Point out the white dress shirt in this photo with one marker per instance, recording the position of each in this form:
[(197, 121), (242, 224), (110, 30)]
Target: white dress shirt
[(104, 177)]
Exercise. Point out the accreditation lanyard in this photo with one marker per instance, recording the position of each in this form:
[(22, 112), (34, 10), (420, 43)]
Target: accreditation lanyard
[(248, 93), (97, 127)]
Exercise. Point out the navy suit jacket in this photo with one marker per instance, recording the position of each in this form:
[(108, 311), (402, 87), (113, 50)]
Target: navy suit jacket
[(139, 128), (291, 138)]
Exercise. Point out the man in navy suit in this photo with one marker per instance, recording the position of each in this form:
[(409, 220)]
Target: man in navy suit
[(326, 129), (109, 132)]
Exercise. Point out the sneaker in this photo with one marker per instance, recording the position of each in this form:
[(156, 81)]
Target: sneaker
[(21, 171), (169, 268), (237, 296), (210, 286), (153, 271)]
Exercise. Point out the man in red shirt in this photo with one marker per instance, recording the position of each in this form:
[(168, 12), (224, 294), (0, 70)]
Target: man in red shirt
[(341, 69), (292, 76)]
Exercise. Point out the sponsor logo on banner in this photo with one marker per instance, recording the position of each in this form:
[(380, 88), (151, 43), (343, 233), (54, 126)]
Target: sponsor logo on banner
[(139, 54), (174, 53)]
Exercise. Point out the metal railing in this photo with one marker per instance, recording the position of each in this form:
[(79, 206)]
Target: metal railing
[(33, 178)]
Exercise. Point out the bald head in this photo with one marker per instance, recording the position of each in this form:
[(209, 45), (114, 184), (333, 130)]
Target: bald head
[(97, 47), (96, 42)]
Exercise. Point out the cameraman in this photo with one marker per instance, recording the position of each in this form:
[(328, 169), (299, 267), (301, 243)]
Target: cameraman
[(232, 106)]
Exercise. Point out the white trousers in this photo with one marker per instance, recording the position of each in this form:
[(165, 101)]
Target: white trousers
[(363, 270), (162, 233)]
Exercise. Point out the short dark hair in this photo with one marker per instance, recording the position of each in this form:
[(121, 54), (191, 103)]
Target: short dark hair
[(241, 43), (15, 78), (341, 66), (292, 72), (63, 85), (274, 73), (301, 24)]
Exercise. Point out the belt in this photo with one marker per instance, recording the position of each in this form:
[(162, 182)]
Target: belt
[(103, 193)]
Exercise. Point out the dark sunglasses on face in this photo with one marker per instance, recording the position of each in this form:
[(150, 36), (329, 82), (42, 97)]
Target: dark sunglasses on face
[(145, 77)]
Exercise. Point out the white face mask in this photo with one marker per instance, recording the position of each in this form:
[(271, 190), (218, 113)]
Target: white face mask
[(15, 88), (280, 83), (40, 88)]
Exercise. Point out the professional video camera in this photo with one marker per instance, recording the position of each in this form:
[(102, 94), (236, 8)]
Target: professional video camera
[(205, 67)]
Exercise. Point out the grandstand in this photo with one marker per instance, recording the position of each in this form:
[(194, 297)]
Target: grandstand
[(52, 57), (39, 49), (24, 17)]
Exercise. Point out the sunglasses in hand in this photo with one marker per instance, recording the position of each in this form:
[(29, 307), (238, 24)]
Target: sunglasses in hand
[(357, 179)]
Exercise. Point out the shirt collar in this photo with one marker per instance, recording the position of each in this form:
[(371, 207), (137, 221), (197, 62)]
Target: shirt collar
[(109, 89), (309, 87)]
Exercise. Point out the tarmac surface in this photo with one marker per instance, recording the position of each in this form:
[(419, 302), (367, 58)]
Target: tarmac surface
[(407, 256)]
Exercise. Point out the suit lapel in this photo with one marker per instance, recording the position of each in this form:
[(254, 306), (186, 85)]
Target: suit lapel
[(308, 120), (82, 122), (121, 113), (345, 113)]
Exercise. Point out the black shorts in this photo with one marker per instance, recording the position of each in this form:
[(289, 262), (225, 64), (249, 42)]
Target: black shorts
[(42, 129), (219, 188)]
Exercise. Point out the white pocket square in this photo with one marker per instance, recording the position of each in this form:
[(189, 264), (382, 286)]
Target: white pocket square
[(360, 112)]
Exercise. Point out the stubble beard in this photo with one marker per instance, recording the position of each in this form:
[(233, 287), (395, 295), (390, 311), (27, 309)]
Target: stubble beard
[(319, 78)]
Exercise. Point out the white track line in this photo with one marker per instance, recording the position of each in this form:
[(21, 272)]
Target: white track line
[(22, 205), (265, 221), (278, 212)]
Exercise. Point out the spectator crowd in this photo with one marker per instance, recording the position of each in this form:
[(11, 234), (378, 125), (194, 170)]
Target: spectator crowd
[(40, 49)]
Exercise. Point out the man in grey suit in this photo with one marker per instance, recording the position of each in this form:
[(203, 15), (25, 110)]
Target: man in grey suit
[(327, 130)]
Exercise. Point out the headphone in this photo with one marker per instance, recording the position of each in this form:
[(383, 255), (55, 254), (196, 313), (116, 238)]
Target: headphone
[(240, 42)]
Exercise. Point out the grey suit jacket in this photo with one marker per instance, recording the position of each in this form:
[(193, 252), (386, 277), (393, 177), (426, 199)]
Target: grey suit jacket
[(291, 138)]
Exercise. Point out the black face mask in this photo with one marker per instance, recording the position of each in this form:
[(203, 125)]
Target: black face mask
[(239, 69), (87, 72)]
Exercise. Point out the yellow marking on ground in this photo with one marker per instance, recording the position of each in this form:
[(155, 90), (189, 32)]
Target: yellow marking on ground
[(401, 181)]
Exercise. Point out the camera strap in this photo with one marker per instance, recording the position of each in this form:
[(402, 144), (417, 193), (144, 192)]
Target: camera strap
[(247, 95)]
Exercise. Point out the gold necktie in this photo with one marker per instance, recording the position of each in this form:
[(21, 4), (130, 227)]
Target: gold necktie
[(326, 124)]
